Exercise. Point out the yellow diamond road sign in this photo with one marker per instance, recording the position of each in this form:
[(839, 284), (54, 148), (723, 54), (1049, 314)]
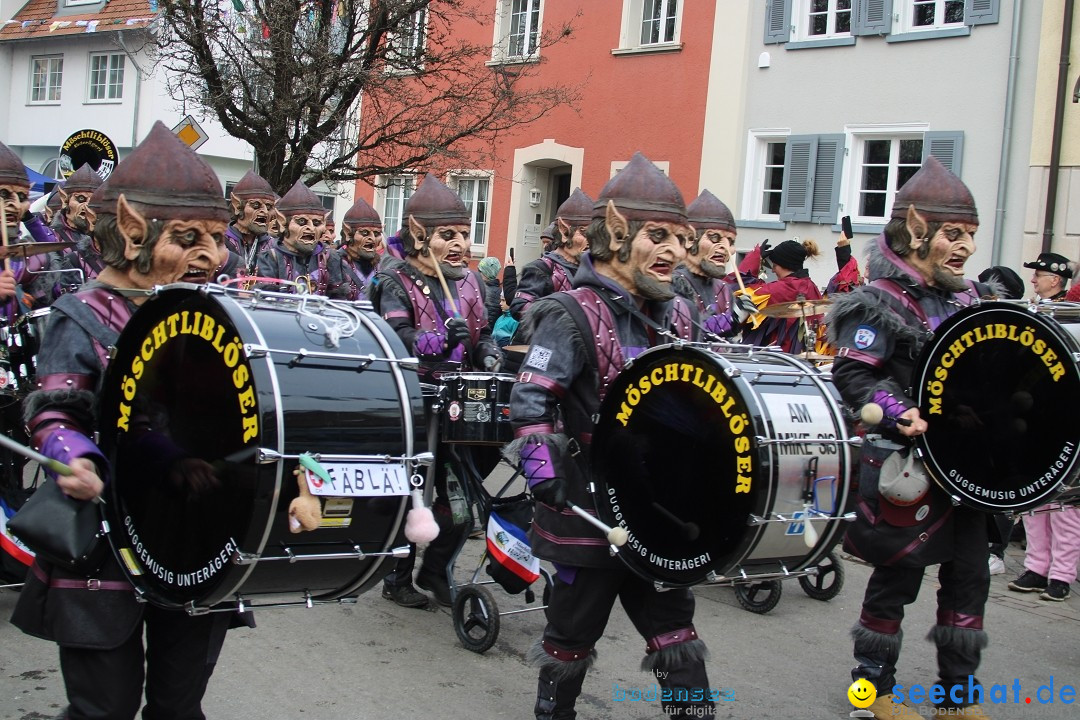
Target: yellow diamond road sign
[(191, 133)]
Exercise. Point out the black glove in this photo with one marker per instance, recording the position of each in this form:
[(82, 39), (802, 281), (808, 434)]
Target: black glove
[(764, 247), (457, 332), (743, 307), (492, 362), (551, 492)]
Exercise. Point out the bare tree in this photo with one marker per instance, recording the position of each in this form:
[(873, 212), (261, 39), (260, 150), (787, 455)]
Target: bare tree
[(340, 90)]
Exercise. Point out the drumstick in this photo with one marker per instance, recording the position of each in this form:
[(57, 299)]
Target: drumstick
[(690, 530), (872, 414), (617, 536), (446, 290), (55, 465)]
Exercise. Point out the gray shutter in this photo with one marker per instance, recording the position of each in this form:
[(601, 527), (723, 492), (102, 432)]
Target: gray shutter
[(798, 194), (948, 147), (828, 168), (981, 12), (872, 17), (777, 21)]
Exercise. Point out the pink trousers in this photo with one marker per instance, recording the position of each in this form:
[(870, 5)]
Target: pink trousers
[(1053, 543)]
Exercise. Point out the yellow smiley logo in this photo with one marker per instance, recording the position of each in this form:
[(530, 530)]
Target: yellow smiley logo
[(862, 693)]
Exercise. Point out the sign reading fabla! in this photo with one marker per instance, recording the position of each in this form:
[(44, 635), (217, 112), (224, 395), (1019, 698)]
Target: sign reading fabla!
[(88, 147)]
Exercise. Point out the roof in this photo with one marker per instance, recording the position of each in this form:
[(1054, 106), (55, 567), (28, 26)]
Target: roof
[(38, 19)]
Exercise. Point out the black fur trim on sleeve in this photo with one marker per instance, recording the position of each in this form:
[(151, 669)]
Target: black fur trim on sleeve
[(79, 404)]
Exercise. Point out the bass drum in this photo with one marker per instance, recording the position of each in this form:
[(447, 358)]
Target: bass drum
[(709, 461), (211, 399), (997, 386)]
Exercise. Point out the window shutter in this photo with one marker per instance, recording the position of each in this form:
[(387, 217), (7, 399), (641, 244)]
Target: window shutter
[(948, 147), (795, 204), (872, 17), (828, 168), (981, 12), (777, 21)]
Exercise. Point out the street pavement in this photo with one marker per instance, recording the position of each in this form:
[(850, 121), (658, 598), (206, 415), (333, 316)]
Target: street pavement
[(373, 659)]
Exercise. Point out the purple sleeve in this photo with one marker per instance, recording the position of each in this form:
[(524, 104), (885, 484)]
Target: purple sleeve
[(536, 462), (39, 230), (65, 444), (892, 407)]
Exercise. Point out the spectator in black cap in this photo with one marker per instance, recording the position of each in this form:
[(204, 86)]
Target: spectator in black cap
[(793, 284), (1004, 281), (1051, 272)]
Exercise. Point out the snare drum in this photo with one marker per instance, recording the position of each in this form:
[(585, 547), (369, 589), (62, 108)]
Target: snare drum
[(25, 343), (232, 387), (997, 387), (474, 408), (710, 461)]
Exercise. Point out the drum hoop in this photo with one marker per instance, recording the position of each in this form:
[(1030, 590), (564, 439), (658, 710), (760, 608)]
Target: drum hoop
[(505, 377), (1030, 312)]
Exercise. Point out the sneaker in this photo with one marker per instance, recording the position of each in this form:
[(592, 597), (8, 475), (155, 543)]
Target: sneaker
[(1057, 590), (1029, 582), (405, 595), (997, 565)]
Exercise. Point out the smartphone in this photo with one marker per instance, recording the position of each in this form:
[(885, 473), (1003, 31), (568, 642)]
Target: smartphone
[(512, 255), (845, 226)]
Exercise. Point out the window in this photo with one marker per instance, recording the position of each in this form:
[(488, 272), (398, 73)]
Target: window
[(936, 13), (763, 183), (46, 74), (772, 178), (106, 77), (883, 159), (820, 19), (395, 191), (406, 43), (524, 28), (648, 23), (75, 3), (473, 191)]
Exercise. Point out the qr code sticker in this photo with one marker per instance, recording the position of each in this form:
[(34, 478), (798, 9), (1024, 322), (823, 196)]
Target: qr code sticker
[(539, 357)]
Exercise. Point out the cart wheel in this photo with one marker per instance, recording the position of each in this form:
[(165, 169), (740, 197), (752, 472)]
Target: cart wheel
[(476, 618), (828, 581), (758, 597)]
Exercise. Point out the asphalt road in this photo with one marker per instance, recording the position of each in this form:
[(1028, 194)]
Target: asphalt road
[(374, 659)]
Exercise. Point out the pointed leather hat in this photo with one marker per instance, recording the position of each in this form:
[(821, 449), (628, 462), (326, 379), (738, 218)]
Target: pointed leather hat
[(708, 212), (576, 209), (12, 169), (362, 215), (937, 194), (434, 204), (253, 186), (166, 180), (299, 200), (84, 179), (641, 191)]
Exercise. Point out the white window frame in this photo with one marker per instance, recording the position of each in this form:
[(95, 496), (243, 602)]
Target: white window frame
[(800, 11), (633, 21), (504, 16), (404, 64), (109, 84), (754, 179), (383, 194), (851, 183), (59, 87), (905, 12), (77, 3), (455, 180)]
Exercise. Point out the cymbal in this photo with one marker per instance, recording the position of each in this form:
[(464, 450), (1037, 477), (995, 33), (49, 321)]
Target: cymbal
[(516, 348), (25, 250), (806, 308)]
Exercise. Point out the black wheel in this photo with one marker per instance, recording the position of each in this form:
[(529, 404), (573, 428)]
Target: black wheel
[(476, 618), (758, 597), (828, 581)]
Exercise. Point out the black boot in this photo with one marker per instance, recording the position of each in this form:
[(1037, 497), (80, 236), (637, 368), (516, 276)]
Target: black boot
[(433, 573), (959, 651), (681, 669), (559, 684)]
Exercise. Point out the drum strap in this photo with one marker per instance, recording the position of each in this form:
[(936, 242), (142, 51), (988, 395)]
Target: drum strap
[(87, 319)]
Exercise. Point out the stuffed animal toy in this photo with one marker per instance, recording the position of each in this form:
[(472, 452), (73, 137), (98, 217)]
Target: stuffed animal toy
[(305, 511)]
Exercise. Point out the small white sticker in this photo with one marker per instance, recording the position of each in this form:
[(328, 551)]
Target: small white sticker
[(539, 357), (865, 336), (921, 513)]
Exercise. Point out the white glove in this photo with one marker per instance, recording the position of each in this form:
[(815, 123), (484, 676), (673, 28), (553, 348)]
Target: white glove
[(743, 307)]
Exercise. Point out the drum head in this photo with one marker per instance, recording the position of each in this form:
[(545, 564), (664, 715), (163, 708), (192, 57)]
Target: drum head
[(673, 464), (998, 386), (180, 425)]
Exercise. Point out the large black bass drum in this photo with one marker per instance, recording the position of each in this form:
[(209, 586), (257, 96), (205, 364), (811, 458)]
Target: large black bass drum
[(997, 386), (213, 401), (712, 463)]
